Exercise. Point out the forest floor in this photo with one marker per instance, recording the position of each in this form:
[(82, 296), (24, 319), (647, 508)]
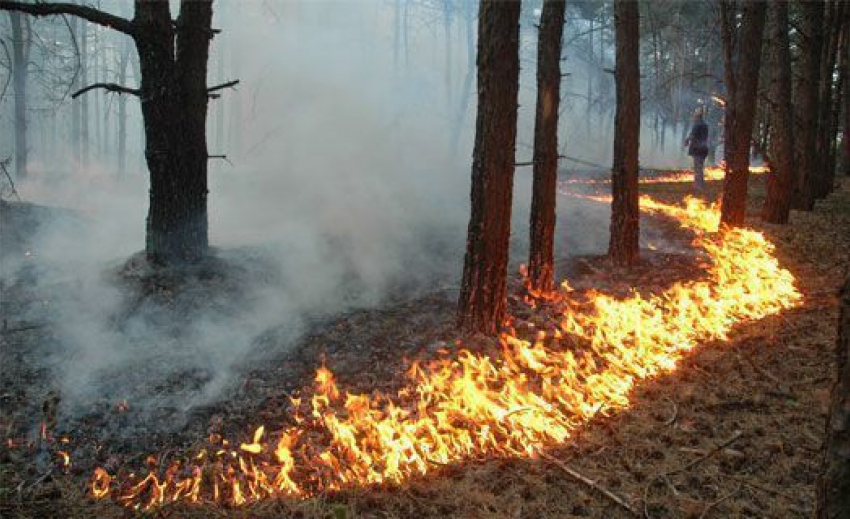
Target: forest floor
[(675, 452)]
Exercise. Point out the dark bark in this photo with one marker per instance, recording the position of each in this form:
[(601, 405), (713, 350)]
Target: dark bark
[(826, 131), (175, 147), (19, 81), (812, 44), (846, 89), (482, 304), (833, 487), (780, 182), (740, 110), (541, 258), (625, 215)]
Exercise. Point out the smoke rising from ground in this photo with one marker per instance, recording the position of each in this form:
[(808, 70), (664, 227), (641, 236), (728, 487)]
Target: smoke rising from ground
[(349, 184)]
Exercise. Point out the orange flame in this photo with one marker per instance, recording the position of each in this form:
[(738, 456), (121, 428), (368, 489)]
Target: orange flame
[(676, 177), (535, 392)]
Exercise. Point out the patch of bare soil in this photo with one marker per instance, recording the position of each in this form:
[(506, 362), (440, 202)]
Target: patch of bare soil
[(735, 431)]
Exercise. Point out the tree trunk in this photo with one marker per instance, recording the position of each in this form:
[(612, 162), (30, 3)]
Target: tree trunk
[(780, 182), (122, 111), (84, 102), (826, 135), (482, 304), (812, 45), (175, 147), (740, 111), (19, 80), (541, 258), (75, 107), (833, 487), (623, 246)]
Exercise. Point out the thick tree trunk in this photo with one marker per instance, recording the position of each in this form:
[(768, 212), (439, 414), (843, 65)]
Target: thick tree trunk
[(541, 258), (780, 182), (19, 80), (812, 45), (482, 304), (623, 246), (740, 112), (175, 147), (833, 488)]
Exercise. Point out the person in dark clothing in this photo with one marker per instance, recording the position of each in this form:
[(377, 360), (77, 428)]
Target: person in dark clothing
[(697, 143)]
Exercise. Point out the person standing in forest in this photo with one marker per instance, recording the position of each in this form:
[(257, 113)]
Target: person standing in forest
[(697, 143)]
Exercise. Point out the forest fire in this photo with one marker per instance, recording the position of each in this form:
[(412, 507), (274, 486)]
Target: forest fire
[(675, 177), (534, 393)]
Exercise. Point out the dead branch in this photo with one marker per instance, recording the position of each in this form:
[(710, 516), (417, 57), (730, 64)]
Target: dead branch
[(3, 164), (589, 482), (59, 8), (111, 87), (222, 157), (229, 84)]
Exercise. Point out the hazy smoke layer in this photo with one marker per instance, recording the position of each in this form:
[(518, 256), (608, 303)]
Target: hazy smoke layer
[(349, 183)]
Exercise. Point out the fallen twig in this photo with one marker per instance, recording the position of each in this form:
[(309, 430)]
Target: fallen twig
[(685, 467), (672, 419), (745, 482), (587, 481), (714, 504)]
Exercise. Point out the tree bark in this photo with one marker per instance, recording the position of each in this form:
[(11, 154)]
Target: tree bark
[(625, 215), (812, 50), (19, 81), (740, 111), (541, 259), (175, 147), (833, 487), (780, 182), (482, 304), (826, 131)]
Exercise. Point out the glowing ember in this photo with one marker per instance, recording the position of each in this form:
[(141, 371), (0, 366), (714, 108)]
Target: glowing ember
[(533, 393), (65, 458)]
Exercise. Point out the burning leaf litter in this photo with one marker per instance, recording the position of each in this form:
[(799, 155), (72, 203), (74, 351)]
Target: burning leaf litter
[(534, 393)]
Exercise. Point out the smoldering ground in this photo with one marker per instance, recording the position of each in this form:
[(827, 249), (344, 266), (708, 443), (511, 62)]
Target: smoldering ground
[(345, 191)]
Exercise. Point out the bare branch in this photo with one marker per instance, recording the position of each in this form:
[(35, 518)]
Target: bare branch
[(111, 87), (87, 13), (222, 86)]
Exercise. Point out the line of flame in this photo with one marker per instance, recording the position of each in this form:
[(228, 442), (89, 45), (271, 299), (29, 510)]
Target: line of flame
[(470, 405), (676, 177)]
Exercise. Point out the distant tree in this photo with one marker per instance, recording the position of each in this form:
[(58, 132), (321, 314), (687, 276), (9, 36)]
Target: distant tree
[(812, 48), (828, 100), (173, 58), (780, 183), (19, 65), (625, 214), (833, 487), (742, 46), (541, 260), (483, 300)]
